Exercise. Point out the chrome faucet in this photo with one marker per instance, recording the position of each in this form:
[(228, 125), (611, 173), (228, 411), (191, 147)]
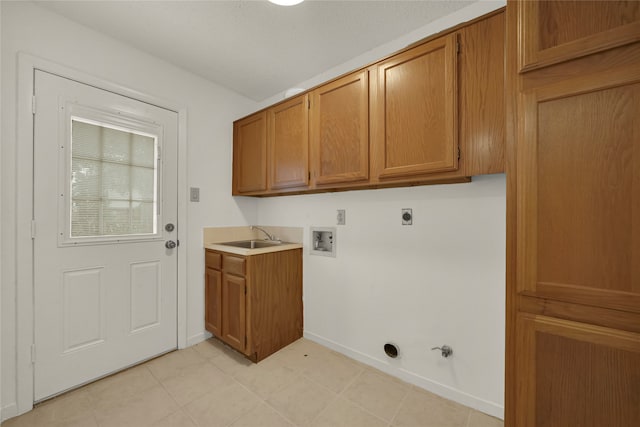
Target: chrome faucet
[(269, 236)]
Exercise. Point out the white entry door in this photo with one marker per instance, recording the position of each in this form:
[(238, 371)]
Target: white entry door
[(105, 212)]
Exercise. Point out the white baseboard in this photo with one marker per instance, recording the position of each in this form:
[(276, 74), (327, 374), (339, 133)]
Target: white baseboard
[(198, 338), (8, 411), (445, 391)]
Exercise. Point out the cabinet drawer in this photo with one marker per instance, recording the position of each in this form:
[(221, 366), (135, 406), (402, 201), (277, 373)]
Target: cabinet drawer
[(212, 260), (233, 265)]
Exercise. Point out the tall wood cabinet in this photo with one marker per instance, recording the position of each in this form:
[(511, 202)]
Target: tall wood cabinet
[(573, 272)]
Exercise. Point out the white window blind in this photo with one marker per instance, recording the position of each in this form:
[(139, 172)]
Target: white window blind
[(113, 181)]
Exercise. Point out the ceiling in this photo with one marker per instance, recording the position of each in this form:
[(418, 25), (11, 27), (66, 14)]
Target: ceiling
[(253, 47)]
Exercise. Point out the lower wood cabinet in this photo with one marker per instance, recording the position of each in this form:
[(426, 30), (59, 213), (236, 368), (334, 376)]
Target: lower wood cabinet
[(254, 303)]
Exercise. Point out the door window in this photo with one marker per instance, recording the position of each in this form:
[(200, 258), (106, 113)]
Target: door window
[(112, 183)]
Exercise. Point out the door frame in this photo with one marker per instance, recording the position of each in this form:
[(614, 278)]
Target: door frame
[(27, 65)]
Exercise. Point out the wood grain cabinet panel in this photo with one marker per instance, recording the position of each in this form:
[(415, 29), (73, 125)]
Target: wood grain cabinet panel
[(415, 111), (213, 298), (579, 192), (557, 31), (250, 154), (288, 141), (233, 264), (276, 301), (481, 96), (339, 126), (575, 374), (233, 311)]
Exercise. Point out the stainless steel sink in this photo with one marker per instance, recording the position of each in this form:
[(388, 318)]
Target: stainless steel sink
[(253, 244)]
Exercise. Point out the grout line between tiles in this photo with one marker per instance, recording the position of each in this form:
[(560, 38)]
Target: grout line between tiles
[(468, 419), (342, 396), (409, 389), (262, 400), (350, 383), (324, 409)]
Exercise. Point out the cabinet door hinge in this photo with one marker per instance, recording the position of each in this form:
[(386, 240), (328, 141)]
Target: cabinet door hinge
[(308, 104), (458, 153), (245, 289), (33, 228), (457, 47), (245, 341), (33, 353), (33, 104)]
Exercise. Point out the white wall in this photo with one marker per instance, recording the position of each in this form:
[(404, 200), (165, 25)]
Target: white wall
[(211, 111), (440, 281)]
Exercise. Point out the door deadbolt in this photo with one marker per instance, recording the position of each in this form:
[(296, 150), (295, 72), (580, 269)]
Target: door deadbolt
[(169, 227)]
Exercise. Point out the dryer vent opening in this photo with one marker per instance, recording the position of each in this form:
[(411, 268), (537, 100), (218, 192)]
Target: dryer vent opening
[(391, 350)]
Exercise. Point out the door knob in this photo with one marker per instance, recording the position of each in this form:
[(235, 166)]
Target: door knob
[(170, 244)]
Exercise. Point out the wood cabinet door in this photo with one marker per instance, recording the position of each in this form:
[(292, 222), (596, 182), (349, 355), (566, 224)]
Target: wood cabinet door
[(339, 129), (250, 154), (578, 204), (213, 302), (289, 143), (482, 108), (415, 111), (557, 31), (234, 311), (575, 374)]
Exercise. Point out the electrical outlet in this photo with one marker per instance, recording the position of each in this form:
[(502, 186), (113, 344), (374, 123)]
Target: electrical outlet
[(407, 216), (341, 217), (194, 194)]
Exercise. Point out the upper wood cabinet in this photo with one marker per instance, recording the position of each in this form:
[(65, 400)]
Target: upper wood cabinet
[(557, 31), (288, 142), (432, 113), (415, 111), (250, 154), (481, 108), (339, 130)]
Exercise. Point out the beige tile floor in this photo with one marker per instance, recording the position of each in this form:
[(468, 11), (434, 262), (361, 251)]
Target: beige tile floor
[(304, 384)]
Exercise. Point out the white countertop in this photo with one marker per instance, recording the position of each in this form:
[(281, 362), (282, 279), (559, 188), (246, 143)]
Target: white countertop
[(248, 252)]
